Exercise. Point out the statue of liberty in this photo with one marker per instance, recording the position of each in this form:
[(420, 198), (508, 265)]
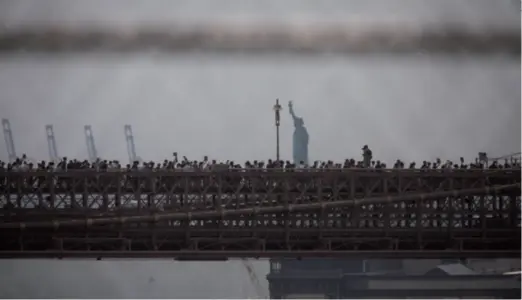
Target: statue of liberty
[(300, 141)]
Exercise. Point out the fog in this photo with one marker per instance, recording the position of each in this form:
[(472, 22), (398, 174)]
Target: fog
[(412, 108), (470, 13), (126, 279)]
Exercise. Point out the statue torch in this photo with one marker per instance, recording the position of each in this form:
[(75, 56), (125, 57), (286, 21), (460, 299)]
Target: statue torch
[(277, 109)]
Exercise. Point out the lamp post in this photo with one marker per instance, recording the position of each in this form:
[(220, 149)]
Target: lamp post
[(277, 109)]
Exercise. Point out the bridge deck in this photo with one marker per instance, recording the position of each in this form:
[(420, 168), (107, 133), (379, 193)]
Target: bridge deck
[(258, 213)]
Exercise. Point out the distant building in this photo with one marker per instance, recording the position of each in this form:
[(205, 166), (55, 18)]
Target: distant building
[(333, 278)]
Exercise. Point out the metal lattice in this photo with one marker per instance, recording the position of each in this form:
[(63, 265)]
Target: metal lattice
[(257, 213)]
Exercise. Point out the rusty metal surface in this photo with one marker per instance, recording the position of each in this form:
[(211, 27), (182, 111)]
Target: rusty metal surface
[(255, 213)]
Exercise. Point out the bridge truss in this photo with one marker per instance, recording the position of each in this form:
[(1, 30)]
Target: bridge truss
[(255, 213)]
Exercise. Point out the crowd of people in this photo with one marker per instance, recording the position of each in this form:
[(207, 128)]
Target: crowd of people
[(184, 164)]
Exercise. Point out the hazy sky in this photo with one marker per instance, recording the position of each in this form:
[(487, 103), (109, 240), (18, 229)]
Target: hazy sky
[(127, 279), (409, 107), (471, 13)]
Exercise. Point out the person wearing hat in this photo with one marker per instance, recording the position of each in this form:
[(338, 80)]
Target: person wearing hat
[(367, 156)]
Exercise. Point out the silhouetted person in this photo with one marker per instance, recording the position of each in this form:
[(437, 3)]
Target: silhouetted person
[(367, 156)]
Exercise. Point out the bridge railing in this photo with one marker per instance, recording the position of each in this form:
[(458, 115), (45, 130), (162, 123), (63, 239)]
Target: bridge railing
[(262, 170)]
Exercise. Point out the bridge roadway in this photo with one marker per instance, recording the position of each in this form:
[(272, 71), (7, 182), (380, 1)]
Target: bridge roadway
[(260, 213)]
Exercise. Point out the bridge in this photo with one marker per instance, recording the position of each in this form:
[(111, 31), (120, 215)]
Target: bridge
[(359, 213)]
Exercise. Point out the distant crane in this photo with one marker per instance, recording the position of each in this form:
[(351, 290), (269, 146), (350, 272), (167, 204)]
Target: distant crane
[(9, 141), (131, 148), (91, 146), (51, 143)]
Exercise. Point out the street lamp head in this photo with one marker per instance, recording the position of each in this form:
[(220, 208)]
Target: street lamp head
[(277, 106), (277, 109)]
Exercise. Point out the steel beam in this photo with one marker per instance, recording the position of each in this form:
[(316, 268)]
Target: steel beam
[(221, 255), (261, 213), (255, 210)]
